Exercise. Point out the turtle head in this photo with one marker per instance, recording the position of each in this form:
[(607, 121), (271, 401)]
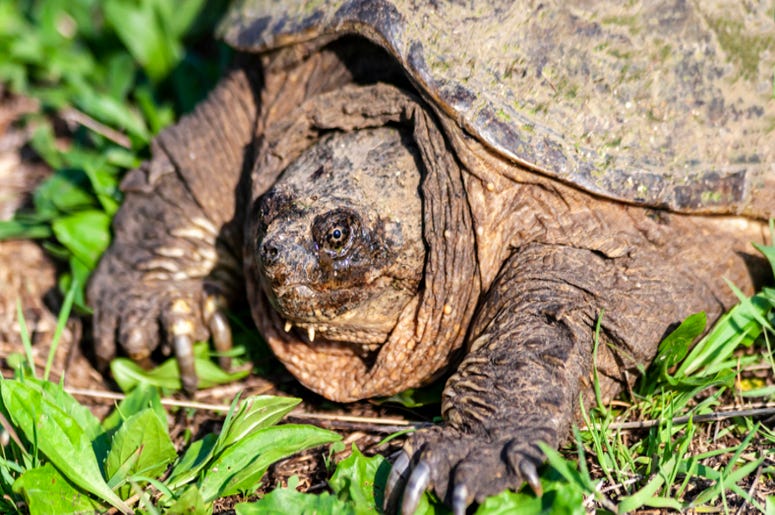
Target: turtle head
[(338, 238)]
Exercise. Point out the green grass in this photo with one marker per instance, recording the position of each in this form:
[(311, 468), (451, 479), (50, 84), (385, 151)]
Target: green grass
[(109, 75), (61, 459)]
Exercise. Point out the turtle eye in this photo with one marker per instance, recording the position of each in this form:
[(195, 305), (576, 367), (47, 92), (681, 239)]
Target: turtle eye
[(337, 237), (335, 231)]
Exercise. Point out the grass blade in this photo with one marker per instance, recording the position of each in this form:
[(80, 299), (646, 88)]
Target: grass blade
[(64, 314), (25, 336)]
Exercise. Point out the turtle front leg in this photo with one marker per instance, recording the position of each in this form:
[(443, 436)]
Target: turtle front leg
[(175, 261), (530, 353)]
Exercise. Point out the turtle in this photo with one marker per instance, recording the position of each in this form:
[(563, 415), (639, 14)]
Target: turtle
[(400, 190)]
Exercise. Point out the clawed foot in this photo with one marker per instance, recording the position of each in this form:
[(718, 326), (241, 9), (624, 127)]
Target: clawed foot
[(461, 468), (141, 317)]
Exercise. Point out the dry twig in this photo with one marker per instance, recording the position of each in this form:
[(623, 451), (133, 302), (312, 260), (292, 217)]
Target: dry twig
[(73, 115)]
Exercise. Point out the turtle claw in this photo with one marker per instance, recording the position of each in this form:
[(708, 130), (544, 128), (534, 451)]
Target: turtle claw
[(396, 482), (530, 474), (460, 499), (184, 353), (406, 484), (180, 324), (136, 347), (157, 321), (167, 278), (221, 334), (418, 481)]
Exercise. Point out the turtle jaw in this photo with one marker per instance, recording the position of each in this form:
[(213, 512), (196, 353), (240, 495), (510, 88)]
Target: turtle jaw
[(362, 313)]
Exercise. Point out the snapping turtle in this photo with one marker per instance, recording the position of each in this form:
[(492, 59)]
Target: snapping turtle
[(397, 188)]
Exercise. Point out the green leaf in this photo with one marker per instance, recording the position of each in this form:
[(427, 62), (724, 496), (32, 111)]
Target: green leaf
[(361, 481), (663, 502), (177, 18), (47, 491), (769, 253), (429, 505), (142, 33), (675, 346), (727, 478), (252, 414), (44, 144), (158, 116), (21, 229), (240, 467), (416, 397), (559, 498), (190, 502), (24, 333), (566, 469), (79, 273), (196, 457), (59, 436), (645, 496), (121, 157), (114, 113), (86, 234), (281, 501), (138, 400), (54, 394), (120, 76), (64, 192), (104, 182), (737, 327), (129, 374), (140, 447), (210, 374), (62, 318), (765, 391), (747, 304), (14, 360)]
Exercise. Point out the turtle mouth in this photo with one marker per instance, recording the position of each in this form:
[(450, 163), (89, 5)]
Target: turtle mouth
[(322, 333), (300, 304), (341, 315)]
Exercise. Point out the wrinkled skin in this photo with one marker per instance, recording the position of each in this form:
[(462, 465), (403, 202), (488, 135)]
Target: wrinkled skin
[(374, 259)]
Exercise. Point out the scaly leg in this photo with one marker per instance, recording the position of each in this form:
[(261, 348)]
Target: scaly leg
[(530, 359), (175, 263)]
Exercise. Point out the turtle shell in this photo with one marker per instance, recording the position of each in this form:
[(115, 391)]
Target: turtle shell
[(664, 103)]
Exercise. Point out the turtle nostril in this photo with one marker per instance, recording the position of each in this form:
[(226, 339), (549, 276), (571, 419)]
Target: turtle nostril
[(269, 253)]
